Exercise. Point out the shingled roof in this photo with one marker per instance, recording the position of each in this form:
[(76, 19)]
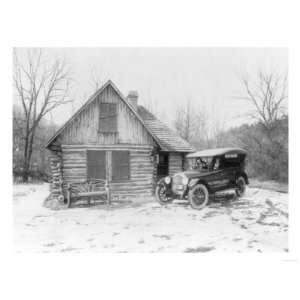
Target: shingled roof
[(168, 139)]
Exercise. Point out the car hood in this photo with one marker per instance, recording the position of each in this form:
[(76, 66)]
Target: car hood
[(191, 174)]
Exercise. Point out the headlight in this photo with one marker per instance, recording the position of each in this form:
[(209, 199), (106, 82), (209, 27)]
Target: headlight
[(167, 180), (185, 180)]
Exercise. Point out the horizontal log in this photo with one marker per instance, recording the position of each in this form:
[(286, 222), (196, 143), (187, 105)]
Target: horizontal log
[(145, 165), (141, 177), (74, 174), (71, 164), (75, 162), (74, 159), (131, 183), (74, 169), (141, 171), (140, 158), (133, 191), (128, 196), (112, 146), (73, 178), (132, 188), (141, 161), (140, 155)]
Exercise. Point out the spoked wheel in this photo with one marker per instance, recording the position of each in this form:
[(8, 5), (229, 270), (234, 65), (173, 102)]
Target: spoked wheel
[(198, 196), (241, 187), (161, 194)]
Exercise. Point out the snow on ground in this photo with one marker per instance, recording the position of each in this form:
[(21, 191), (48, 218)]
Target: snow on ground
[(257, 222)]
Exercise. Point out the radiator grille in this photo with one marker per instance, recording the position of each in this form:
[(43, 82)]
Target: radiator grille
[(177, 179)]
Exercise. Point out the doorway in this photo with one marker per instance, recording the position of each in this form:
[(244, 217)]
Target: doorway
[(163, 165)]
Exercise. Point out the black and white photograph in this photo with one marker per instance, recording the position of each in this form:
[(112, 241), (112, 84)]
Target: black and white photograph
[(150, 150)]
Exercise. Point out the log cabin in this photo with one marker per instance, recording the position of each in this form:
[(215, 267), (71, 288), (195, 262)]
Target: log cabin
[(114, 138)]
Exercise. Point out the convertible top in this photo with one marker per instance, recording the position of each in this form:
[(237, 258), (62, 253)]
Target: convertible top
[(216, 152)]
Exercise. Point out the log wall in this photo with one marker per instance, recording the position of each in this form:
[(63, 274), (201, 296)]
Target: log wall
[(175, 163), (141, 180)]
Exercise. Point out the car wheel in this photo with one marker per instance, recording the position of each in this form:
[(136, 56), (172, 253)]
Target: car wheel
[(198, 196), (161, 194), (241, 186)]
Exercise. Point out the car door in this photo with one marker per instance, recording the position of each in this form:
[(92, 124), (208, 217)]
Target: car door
[(216, 179)]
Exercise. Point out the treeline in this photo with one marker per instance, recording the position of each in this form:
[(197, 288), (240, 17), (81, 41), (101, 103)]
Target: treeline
[(267, 148)]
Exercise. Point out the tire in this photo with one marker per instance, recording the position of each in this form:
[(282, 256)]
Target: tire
[(198, 196), (241, 186), (160, 195)]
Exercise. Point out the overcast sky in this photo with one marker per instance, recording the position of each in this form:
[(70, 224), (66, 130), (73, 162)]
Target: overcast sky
[(209, 77)]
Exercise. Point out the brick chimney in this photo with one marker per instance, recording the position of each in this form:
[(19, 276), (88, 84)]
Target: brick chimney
[(132, 98)]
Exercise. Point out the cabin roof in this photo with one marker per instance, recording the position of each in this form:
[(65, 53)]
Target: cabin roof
[(168, 139), (216, 152), (163, 136)]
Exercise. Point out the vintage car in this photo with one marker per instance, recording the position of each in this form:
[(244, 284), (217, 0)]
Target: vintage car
[(208, 172)]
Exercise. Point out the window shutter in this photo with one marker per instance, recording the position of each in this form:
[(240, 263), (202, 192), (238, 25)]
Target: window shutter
[(120, 165), (108, 118), (96, 166)]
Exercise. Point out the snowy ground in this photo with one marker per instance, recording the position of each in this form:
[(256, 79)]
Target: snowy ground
[(258, 222)]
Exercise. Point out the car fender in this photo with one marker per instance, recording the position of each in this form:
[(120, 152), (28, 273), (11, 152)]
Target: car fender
[(195, 181), (162, 182)]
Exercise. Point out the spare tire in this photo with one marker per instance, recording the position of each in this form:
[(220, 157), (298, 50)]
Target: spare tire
[(241, 186)]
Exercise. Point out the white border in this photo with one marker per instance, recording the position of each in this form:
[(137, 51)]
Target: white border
[(148, 23)]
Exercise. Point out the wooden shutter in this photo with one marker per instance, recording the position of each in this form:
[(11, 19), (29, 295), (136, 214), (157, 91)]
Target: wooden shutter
[(96, 166), (120, 165), (108, 118)]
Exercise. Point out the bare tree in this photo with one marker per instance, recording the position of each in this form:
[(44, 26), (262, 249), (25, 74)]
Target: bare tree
[(216, 135), (40, 86), (267, 95), (191, 124), (182, 121), (96, 78)]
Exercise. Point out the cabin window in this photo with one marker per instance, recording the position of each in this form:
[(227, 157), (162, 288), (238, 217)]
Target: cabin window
[(120, 165), (96, 166), (108, 118)]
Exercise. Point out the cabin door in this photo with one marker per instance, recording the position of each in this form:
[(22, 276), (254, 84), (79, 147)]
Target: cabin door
[(96, 164), (163, 165)]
